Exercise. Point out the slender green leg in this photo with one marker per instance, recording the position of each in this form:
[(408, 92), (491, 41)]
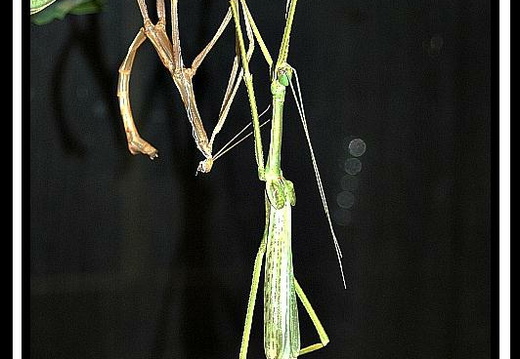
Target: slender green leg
[(249, 20), (324, 338), (284, 46), (248, 80), (257, 269), (282, 339)]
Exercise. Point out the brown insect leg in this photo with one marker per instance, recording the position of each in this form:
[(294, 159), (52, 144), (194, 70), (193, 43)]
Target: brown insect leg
[(135, 143)]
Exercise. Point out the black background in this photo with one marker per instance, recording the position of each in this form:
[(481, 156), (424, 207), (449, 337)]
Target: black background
[(132, 258)]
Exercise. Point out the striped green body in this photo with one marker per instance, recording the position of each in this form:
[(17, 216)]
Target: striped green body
[(281, 329), (281, 289)]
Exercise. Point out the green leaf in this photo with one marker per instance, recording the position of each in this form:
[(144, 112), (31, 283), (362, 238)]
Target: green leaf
[(88, 7), (60, 9), (39, 5)]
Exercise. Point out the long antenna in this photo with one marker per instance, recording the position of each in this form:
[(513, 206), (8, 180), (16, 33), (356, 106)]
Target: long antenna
[(301, 111), (229, 145)]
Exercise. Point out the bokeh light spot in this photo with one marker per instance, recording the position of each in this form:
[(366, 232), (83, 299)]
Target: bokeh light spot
[(357, 147), (352, 166), (345, 199)]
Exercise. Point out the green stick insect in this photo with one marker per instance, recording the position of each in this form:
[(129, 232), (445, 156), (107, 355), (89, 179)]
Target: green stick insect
[(281, 328), (281, 325), (281, 289)]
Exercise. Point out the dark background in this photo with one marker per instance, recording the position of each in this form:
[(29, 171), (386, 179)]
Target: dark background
[(132, 258)]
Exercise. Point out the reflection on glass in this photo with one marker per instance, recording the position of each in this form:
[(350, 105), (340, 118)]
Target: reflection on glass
[(352, 166), (349, 183), (357, 147), (345, 199), (342, 216)]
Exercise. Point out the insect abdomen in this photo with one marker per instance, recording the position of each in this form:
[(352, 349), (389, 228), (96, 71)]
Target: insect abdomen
[(281, 330)]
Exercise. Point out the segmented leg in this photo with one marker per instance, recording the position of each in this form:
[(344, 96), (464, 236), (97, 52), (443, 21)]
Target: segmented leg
[(135, 143), (251, 22), (234, 81), (248, 80), (160, 11), (324, 338), (170, 55), (200, 57), (257, 269), (235, 77)]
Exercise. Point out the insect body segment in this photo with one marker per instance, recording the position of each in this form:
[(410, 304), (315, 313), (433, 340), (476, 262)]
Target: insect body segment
[(169, 52), (281, 329), (281, 323)]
